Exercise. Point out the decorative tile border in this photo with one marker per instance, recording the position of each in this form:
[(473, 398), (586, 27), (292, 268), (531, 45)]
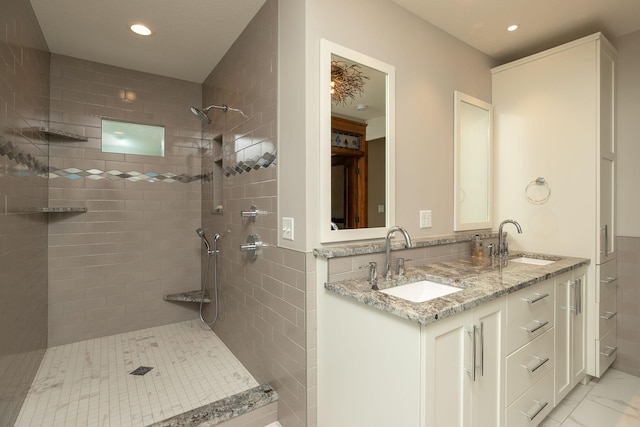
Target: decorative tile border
[(28, 164), (116, 175), (264, 161), (8, 149)]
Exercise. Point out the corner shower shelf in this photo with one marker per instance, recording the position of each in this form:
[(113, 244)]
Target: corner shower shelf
[(60, 134), (190, 296), (60, 210)]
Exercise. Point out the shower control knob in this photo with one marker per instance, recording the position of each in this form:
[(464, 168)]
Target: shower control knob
[(251, 248), (252, 213)]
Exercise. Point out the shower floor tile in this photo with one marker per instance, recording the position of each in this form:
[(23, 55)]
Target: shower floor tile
[(89, 383)]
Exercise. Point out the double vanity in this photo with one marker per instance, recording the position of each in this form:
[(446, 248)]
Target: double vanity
[(493, 341)]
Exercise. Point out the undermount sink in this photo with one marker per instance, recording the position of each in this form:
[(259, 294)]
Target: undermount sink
[(421, 291), (532, 261)]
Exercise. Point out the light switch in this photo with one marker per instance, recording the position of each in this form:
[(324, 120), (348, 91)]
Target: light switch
[(380, 208), (287, 228), (425, 219)]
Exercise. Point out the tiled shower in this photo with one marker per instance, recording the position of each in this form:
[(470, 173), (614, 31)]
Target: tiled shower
[(72, 276)]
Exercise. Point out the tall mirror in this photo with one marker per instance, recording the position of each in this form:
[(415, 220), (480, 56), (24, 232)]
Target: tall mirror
[(357, 148), (472, 165)]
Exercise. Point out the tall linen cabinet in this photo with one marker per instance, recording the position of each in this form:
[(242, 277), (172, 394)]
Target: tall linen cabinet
[(554, 119)]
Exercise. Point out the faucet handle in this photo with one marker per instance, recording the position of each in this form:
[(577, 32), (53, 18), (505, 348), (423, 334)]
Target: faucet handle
[(373, 274), (400, 266)]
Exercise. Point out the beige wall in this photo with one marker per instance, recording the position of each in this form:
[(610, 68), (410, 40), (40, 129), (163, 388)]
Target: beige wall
[(24, 83), (425, 81), (262, 302), (628, 129), (628, 176), (110, 267)]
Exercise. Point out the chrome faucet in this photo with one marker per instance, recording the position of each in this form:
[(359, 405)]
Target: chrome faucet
[(503, 248), (387, 241)]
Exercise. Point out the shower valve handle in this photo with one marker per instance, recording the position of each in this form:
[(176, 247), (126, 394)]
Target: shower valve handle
[(252, 213), (253, 245)]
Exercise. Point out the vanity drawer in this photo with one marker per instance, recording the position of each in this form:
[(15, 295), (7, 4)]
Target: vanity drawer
[(607, 280), (533, 406), (607, 351), (528, 365), (608, 313), (530, 312)]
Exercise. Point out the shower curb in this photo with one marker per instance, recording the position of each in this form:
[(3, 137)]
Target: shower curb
[(224, 409)]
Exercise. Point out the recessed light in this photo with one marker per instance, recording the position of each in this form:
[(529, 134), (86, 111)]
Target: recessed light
[(140, 29), (512, 27)]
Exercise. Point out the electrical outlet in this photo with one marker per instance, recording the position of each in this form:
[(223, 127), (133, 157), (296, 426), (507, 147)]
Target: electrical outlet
[(287, 228), (425, 219), (380, 208)]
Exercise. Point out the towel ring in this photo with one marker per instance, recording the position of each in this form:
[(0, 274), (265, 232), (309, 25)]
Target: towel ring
[(538, 191)]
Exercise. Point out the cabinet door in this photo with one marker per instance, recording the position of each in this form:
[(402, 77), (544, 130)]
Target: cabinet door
[(487, 402), (571, 362), (607, 154), (563, 337), (448, 372), (606, 188), (463, 377), (578, 327)]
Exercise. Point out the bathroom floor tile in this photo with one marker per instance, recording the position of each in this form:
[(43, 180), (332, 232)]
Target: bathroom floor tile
[(89, 383), (611, 401)]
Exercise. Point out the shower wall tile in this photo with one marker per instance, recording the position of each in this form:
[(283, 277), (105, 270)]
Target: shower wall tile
[(24, 83), (263, 302), (110, 267), (628, 259)]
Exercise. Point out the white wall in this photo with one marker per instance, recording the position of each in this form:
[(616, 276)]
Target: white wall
[(628, 134)]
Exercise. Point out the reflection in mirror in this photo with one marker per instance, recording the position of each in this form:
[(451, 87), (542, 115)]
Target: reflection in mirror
[(357, 153), (472, 162)]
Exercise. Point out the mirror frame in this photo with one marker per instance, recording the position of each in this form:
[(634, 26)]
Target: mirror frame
[(458, 225), (327, 235)]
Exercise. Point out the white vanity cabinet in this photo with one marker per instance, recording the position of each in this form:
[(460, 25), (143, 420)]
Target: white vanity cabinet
[(554, 119), (571, 363), (463, 364), (369, 364), (530, 357)]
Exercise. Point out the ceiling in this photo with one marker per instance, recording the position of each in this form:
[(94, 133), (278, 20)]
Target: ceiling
[(542, 23), (190, 37)]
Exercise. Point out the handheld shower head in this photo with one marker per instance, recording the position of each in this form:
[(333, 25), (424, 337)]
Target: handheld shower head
[(200, 232)]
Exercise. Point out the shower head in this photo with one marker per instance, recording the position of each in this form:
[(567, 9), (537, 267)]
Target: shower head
[(202, 115), (200, 232)]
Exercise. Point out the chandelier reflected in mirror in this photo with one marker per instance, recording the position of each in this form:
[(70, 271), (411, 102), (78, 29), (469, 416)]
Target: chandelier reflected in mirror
[(347, 82)]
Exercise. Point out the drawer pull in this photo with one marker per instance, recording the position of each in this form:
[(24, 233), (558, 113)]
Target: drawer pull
[(540, 325), (535, 368), (536, 299), (611, 351), (609, 280), (541, 406), (609, 315)]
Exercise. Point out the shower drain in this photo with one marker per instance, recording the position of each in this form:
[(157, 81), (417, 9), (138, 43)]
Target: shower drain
[(141, 370)]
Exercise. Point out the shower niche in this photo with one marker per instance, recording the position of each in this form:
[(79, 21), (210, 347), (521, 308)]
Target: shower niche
[(217, 206)]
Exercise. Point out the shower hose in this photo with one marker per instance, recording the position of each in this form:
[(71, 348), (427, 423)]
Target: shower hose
[(215, 282)]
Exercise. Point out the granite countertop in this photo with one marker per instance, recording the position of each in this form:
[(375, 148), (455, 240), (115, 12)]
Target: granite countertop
[(224, 409), (482, 280)]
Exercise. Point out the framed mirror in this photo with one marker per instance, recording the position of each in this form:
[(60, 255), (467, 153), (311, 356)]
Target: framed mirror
[(357, 155), (473, 152)]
